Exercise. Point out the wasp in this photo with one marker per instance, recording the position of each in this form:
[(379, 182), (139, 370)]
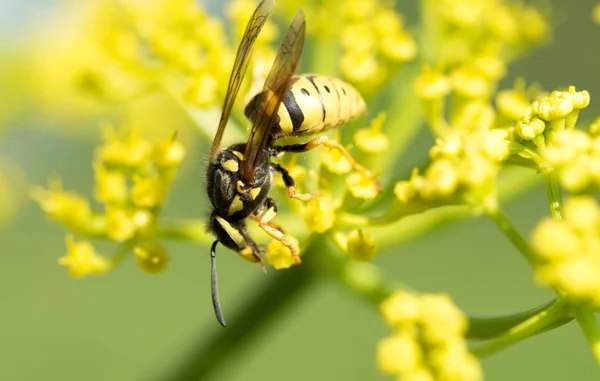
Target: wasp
[(239, 177)]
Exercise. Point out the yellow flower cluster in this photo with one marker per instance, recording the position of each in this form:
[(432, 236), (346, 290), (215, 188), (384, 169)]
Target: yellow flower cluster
[(569, 251), (428, 340), (484, 28), (473, 42), (374, 43), (575, 156), (122, 51), (132, 178), (548, 116), (371, 33), (464, 168)]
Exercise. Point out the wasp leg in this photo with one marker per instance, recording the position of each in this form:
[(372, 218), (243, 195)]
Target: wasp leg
[(234, 236), (324, 141), (264, 221), (290, 184)]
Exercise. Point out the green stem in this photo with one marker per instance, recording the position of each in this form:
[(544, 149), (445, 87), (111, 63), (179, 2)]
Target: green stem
[(278, 292), (122, 252), (511, 232), (484, 328), (554, 194), (366, 281), (191, 230), (587, 321), (540, 322)]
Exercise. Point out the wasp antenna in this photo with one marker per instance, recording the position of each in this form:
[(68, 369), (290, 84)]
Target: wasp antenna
[(213, 284)]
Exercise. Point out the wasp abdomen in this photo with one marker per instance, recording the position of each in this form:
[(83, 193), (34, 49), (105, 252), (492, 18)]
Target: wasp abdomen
[(313, 103)]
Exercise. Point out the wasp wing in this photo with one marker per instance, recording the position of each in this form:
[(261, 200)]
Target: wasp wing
[(275, 86), (242, 59)]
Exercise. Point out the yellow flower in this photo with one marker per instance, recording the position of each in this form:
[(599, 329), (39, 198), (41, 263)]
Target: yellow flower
[(428, 342), (111, 186), (372, 140), (399, 47), (279, 255), (151, 257), (596, 13), (512, 103), (319, 214), (361, 246), (65, 207), (432, 85), (119, 224), (168, 153), (82, 260), (555, 240), (530, 129), (335, 161), (148, 192), (401, 308), (398, 354), (203, 91), (441, 318), (363, 185), (469, 83), (128, 151), (568, 250)]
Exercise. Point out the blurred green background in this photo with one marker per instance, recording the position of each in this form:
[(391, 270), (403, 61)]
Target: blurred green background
[(129, 325)]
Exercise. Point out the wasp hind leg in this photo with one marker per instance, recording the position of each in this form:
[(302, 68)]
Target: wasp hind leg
[(276, 232), (326, 142)]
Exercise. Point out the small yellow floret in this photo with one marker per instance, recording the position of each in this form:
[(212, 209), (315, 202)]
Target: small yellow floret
[(361, 246), (111, 186), (148, 192), (167, 154), (320, 214), (401, 308), (119, 224), (65, 207), (151, 257), (362, 185), (371, 139), (82, 260), (280, 255), (398, 354)]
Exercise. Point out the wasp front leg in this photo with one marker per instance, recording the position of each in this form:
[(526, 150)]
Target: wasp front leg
[(326, 142), (264, 221), (290, 184), (234, 236)]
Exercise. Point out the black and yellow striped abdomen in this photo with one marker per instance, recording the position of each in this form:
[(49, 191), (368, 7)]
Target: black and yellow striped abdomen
[(313, 103)]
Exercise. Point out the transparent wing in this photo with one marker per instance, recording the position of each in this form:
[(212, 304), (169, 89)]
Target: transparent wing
[(242, 59), (275, 86)]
